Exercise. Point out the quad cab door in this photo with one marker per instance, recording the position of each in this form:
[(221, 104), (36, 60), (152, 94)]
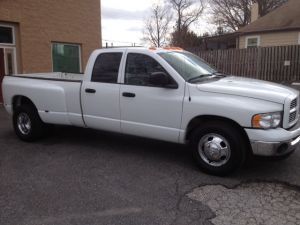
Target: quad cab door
[(101, 96), (148, 108)]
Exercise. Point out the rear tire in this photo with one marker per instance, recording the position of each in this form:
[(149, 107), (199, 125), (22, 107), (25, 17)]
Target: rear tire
[(218, 147), (27, 123)]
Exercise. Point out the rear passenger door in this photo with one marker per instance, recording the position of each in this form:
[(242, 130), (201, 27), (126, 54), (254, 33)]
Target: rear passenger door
[(100, 96)]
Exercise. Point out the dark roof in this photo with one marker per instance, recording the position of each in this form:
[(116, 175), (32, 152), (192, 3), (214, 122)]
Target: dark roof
[(286, 17), (226, 36)]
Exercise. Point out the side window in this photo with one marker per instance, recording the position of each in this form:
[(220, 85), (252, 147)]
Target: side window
[(139, 68), (106, 68), (252, 42)]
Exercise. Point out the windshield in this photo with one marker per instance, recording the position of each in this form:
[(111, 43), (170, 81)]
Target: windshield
[(188, 65)]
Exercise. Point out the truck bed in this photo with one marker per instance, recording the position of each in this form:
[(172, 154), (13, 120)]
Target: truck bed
[(55, 95), (57, 76)]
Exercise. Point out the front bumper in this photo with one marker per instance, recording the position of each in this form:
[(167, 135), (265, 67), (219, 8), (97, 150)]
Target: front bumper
[(274, 148), (276, 142)]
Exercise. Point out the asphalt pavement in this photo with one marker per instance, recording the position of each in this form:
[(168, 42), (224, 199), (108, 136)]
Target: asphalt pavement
[(82, 176)]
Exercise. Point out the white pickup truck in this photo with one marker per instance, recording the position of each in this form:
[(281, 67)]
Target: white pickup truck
[(166, 94)]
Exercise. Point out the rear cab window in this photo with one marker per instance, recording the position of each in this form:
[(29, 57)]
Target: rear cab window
[(106, 67)]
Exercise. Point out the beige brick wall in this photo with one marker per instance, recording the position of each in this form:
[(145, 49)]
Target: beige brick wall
[(274, 39), (41, 22)]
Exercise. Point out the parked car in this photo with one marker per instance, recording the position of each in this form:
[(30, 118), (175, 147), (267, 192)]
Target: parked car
[(166, 94)]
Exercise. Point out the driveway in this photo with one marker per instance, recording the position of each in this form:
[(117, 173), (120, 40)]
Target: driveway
[(82, 176)]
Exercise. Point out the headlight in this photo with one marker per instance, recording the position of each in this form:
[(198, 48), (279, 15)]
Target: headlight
[(266, 120)]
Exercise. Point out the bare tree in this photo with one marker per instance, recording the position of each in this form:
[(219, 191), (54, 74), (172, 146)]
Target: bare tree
[(266, 6), (234, 14), (231, 14), (187, 12), (157, 26)]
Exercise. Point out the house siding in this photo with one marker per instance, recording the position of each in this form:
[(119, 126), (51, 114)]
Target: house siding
[(273, 39), (38, 23)]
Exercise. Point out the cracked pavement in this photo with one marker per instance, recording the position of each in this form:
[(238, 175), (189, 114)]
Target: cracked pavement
[(251, 203), (81, 176)]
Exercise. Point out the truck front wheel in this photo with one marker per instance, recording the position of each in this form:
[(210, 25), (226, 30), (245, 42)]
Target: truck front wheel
[(218, 147), (27, 123)]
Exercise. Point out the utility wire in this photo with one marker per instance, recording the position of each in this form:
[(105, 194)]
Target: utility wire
[(108, 41)]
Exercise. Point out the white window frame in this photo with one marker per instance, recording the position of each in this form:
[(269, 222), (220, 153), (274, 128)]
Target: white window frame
[(70, 44), (251, 37), (14, 58), (13, 34)]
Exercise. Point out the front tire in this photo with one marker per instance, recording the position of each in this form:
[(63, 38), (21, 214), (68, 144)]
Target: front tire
[(218, 147), (27, 123)]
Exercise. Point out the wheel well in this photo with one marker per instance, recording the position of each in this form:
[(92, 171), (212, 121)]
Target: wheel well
[(197, 121), (21, 100)]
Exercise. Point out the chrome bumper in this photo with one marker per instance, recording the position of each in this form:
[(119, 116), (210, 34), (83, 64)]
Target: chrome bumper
[(274, 148), (274, 142)]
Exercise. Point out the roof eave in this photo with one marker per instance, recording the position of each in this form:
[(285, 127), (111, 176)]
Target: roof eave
[(271, 30)]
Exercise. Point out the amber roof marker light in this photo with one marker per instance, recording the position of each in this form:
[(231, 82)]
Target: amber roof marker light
[(173, 48), (167, 48)]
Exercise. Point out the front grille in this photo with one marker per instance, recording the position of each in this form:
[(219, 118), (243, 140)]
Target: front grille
[(293, 116), (293, 104)]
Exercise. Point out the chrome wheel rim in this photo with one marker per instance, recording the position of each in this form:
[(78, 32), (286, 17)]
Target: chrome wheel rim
[(24, 123), (214, 150)]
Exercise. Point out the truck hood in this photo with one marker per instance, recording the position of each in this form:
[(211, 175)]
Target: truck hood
[(248, 88)]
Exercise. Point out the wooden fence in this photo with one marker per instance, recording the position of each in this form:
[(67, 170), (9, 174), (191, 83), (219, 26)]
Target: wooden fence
[(279, 64)]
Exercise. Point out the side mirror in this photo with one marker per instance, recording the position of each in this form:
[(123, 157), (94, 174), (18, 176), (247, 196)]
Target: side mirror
[(161, 79), (158, 79)]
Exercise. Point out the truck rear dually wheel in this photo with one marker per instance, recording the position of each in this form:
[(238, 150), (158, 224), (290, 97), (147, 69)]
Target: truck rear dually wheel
[(27, 123), (218, 147)]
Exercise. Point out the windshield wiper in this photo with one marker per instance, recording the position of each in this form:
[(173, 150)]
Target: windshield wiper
[(214, 74), (200, 77)]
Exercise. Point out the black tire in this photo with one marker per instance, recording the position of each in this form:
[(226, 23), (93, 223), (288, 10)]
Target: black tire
[(232, 136), (35, 130)]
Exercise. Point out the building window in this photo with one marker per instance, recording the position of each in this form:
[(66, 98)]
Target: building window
[(252, 42), (9, 63), (6, 35), (66, 58)]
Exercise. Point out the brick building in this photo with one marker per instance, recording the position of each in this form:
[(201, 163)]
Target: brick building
[(47, 35)]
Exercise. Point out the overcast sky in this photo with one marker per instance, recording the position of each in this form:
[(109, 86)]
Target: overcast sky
[(123, 21)]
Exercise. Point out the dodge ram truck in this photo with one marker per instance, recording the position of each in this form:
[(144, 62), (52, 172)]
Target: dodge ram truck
[(167, 94)]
